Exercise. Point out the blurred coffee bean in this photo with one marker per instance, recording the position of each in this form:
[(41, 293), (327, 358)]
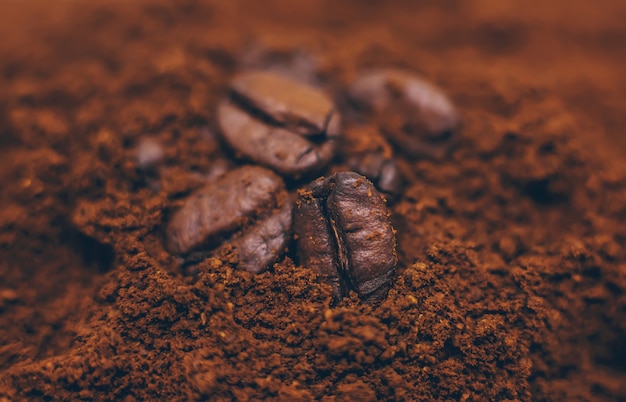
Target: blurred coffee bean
[(279, 123), (344, 233), (221, 206), (247, 206), (383, 172), (414, 114)]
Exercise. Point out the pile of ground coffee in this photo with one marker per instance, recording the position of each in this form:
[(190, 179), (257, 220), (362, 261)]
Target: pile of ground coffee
[(511, 276)]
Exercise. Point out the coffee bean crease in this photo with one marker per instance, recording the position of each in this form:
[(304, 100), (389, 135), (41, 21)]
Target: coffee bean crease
[(344, 233)]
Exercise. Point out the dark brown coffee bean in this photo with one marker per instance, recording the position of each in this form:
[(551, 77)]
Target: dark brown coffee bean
[(279, 123), (344, 233), (383, 172), (249, 198), (417, 116)]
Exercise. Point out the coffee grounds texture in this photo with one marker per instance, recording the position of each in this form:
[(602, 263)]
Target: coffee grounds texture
[(512, 267)]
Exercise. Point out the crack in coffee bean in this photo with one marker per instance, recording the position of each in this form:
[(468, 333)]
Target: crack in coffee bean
[(248, 206), (383, 172), (279, 123), (344, 233), (414, 114)]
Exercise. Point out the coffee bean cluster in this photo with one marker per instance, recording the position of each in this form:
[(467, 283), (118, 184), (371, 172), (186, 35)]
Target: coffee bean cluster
[(284, 133)]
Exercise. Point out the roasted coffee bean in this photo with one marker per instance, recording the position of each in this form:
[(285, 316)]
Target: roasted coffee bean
[(251, 199), (279, 123), (415, 115), (383, 172), (264, 243), (344, 233)]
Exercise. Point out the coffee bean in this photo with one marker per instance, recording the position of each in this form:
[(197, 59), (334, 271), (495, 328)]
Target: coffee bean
[(279, 123), (383, 172), (344, 233), (250, 199), (265, 242), (415, 115)]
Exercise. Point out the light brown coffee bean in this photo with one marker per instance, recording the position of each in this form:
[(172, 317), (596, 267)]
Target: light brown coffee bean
[(279, 123), (414, 114)]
